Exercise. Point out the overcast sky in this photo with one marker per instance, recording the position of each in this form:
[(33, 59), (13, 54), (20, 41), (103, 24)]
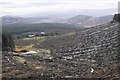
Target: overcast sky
[(32, 7)]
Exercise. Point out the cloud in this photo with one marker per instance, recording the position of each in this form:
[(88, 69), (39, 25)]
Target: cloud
[(25, 7)]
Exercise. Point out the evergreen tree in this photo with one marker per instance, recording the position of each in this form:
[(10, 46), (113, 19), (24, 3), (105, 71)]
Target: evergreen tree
[(7, 42), (116, 17)]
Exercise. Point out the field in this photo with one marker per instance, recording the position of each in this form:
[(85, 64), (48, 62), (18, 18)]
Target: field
[(34, 38)]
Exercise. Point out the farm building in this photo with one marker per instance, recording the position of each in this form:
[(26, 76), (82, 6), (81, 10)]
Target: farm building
[(30, 35), (42, 33)]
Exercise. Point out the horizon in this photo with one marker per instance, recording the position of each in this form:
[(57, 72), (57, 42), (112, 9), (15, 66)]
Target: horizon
[(56, 17)]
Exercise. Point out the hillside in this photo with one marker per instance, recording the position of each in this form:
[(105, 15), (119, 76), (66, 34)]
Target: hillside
[(98, 20), (32, 20), (95, 48), (80, 20), (47, 27), (83, 20), (89, 53)]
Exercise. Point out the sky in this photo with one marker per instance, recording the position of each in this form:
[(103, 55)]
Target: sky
[(53, 7)]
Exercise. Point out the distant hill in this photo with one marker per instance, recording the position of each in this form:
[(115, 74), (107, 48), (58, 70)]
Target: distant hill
[(13, 20), (98, 20), (83, 20), (80, 20)]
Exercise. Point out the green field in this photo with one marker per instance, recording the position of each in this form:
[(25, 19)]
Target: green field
[(34, 38)]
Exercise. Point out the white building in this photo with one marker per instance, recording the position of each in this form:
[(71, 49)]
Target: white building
[(42, 33), (31, 35)]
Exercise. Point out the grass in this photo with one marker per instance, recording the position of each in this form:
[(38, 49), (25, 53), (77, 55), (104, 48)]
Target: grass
[(30, 64), (28, 47), (72, 33), (69, 34), (19, 59), (34, 38)]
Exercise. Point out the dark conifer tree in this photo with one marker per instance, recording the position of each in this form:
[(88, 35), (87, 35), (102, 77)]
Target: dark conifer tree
[(7, 42), (116, 17)]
